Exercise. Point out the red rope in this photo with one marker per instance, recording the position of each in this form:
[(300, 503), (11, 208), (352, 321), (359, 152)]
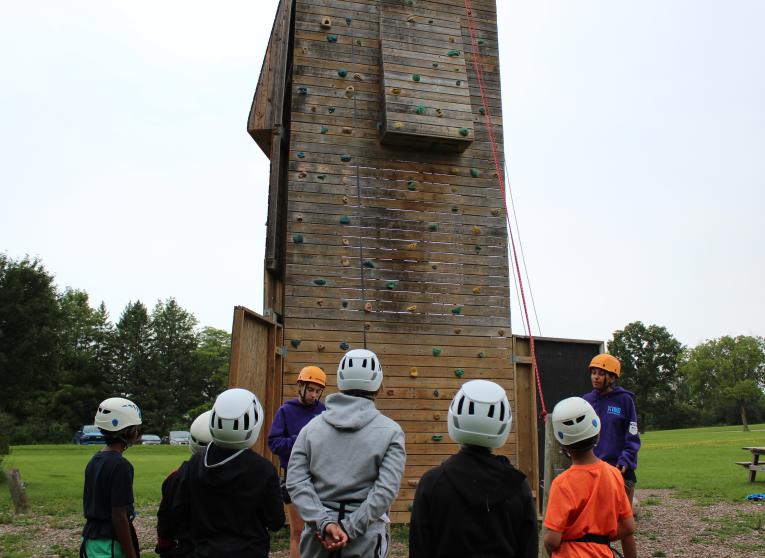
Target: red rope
[(501, 179)]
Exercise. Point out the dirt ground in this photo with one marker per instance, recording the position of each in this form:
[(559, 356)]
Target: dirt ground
[(667, 527)]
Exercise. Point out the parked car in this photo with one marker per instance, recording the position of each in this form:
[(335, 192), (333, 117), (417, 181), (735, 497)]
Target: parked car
[(150, 440), (90, 434), (179, 437)]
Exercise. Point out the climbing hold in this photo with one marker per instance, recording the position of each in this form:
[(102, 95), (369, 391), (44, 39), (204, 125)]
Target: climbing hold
[(345, 158), (476, 290), (413, 372), (398, 125), (332, 38), (320, 282), (433, 266), (437, 351), (302, 90), (439, 112), (435, 64), (437, 437), (305, 50), (501, 332), (416, 77), (458, 82), (346, 242), (331, 110), (350, 91), (367, 326), (411, 185), (345, 200), (358, 42), (390, 285), (412, 308), (412, 246), (464, 132), (321, 176), (412, 19), (300, 155), (319, 302), (358, 77), (299, 218), (297, 238), (420, 109), (411, 482), (457, 330), (342, 72), (295, 343), (482, 110), (344, 303), (496, 212), (409, 2), (476, 230), (320, 347), (459, 372), (396, 91), (326, 23), (436, 416), (345, 220), (348, 20), (481, 42), (454, 170), (379, 126), (369, 264), (344, 346), (451, 39), (455, 209), (368, 307), (453, 53), (313, 109), (433, 227), (391, 392), (435, 393), (302, 175), (475, 173), (344, 261), (324, 129), (457, 310), (481, 355), (347, 130)]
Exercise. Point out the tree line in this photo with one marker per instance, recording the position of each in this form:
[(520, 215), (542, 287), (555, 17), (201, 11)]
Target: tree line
[(719, 381), (60, 357)]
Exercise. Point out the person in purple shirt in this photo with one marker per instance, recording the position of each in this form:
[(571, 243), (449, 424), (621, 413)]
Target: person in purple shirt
[(288, 422)]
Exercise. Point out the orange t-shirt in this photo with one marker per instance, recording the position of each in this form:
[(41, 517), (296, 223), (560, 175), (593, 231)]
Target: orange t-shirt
[(586, 499)]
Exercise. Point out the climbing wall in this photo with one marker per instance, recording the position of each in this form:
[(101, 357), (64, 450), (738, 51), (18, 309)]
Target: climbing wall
[(395, 235)]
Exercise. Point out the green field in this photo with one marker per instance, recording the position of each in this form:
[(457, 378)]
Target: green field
[(696, 463)]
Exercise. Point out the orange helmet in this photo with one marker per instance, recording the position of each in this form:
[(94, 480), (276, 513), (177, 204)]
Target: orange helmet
[(608, 363), (313, 374)]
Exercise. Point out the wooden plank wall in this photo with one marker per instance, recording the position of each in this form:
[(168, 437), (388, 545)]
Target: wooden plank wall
[(402, 249)]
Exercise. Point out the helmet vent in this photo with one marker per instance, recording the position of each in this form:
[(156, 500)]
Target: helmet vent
[(342, 365), (502, 412), (350, 363), (502, 429), (106, 411), (471, 408), (374, 376), (579, 419), (255, 413), (459, 405), (490, 414), (568, 422), (373, 364), (456, 421), (364, 364), (246, 421), (236, 424), (220, 424)]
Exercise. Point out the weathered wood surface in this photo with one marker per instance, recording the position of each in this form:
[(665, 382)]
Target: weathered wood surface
[(18, 492)]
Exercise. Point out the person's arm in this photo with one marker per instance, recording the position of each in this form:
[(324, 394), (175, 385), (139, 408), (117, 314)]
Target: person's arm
[(384, 489), (529, 532), (300, 484), (280, 441), (628, 457), (272, 506), (121, 529), (552, 540), (624, 532), (166, 531)]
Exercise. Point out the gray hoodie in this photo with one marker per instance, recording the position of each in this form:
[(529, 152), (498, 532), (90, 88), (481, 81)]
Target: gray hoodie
[(350, 453)]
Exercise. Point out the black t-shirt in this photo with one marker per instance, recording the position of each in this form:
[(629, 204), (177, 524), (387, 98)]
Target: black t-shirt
[(108, 484)]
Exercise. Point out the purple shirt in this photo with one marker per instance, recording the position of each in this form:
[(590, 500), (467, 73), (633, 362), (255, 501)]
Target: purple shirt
[(288, 422), (619, 438)]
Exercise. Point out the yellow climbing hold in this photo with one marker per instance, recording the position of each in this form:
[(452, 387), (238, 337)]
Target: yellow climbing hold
[(496, 212), (346, 242), (412, 308), (413, 372), (476, 290), (398, 125), (396, 91), (320, 347), (476, 230), (345, 199), (412, 19), (345, 261), (358, 77), (411, 246), (350, 91), (439, 112)]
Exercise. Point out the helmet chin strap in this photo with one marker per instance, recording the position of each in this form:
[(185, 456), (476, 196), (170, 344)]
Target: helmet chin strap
[(229, 458)]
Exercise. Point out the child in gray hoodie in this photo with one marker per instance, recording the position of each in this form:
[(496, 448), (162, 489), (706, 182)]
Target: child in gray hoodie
[(346, 466)]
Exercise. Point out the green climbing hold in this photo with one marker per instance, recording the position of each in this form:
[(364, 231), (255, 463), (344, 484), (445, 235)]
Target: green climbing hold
[(321, 176), (295, 343), (482, 110), (320, 282), (409, 2), (411, 185), (369, 264), (455, 209), (437, 351), (344, 304), (297, 238), (358, 42), (459, 372), (345, 158), (342, 72), (457, 310), (344, 346), (330, 110), (481, 355), (464, 132), (477, 249), (433, 227), (390, 285), (454, 52), (302, 90), (415, 77), (420, 109), (481, 42), (324, 129), (475, 173), (345, 220), (332, 38), (348, 20), (379, 126), (300, 155), (437, 437)]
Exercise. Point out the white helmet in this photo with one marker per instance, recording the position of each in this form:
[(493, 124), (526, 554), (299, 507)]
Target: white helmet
[(117, 413), (236, 419), (574, 420), (199, 433), (480, 415), (359, 369)]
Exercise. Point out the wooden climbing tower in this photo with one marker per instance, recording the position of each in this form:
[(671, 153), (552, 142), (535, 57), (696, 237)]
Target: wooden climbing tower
[(386, 221)]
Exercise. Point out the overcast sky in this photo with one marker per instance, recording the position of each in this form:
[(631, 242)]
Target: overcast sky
[(635, 139)]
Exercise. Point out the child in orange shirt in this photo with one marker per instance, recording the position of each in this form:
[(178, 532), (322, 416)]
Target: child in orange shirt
[(588, 507)]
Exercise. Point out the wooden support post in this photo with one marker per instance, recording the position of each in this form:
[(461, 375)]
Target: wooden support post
[(555, 461), (18, 492)]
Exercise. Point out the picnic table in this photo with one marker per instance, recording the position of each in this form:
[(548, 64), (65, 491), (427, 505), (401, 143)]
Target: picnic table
[(754, 465)]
